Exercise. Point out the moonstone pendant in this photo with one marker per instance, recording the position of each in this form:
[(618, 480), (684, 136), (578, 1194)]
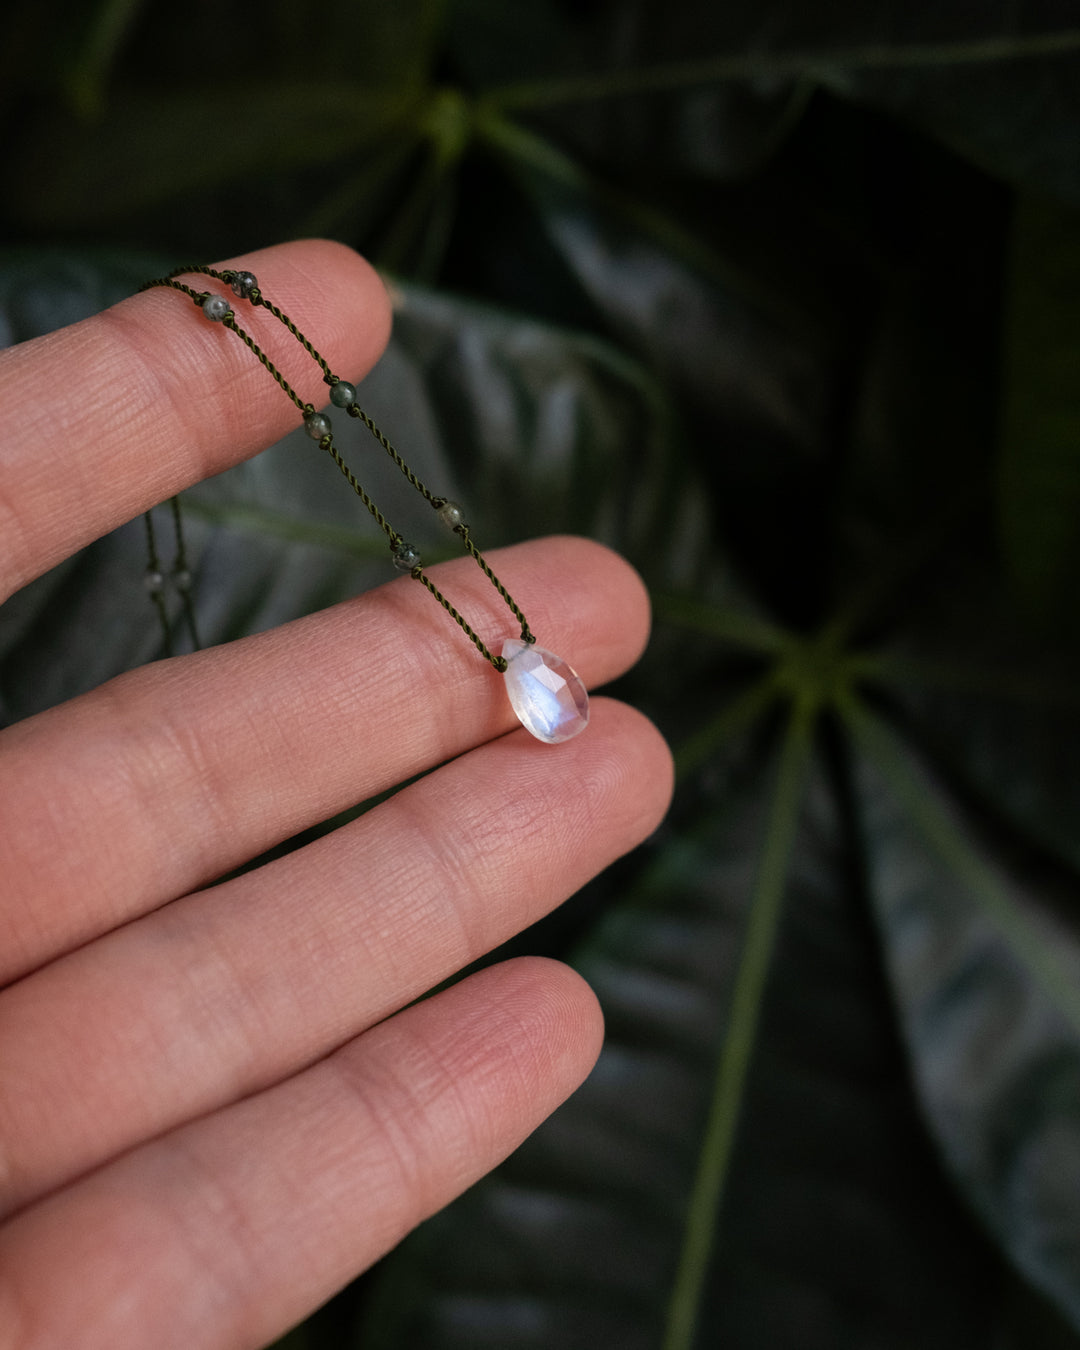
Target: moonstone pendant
[(548, 697)]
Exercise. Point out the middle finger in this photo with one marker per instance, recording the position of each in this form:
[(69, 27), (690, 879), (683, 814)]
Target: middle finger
[(170, 776)]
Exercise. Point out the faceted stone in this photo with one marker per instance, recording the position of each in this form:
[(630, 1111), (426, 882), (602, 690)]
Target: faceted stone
[(549, 698)]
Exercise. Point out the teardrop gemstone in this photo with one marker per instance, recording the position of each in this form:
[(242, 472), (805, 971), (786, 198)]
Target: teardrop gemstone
[(548, 696)]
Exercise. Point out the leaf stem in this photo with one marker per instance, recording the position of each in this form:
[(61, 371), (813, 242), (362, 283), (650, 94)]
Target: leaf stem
[(108, 29), (728, 625), (966, 678), (732, 719), (239, 516), (745, 66), (739, 1041)]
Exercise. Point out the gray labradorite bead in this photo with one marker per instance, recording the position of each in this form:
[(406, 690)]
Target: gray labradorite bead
[(406, 557), (215, 307), (243, 284), (153, 581), (451, 515), (317, 425), (342, 394)]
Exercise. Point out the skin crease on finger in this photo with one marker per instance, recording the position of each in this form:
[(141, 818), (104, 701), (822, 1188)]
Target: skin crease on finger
[(179, 765), (216, 1056), (156, 399), (242, 1222), (224, 992)]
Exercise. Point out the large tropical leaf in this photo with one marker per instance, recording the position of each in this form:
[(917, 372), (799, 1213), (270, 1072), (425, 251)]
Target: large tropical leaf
[(985, 958), (748, 327), (796, 1203)]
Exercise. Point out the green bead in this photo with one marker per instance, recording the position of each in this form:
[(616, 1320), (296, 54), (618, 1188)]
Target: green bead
[(317, 425)]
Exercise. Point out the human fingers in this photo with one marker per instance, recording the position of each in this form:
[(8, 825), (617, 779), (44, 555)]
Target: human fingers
[(111, 415), (169, 776), (226, 1231), (224, 992)]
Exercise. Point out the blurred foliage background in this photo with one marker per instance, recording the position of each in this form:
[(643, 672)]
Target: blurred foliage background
[(784, 302)]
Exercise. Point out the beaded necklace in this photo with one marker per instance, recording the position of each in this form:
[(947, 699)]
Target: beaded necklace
[(547, 696)]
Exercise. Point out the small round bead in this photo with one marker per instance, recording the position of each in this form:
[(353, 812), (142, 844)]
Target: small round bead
[(342, 394), (406, 558), (181, 578), (451, 515), (215, 307), (243, 283), (153, 581), (317, 425)]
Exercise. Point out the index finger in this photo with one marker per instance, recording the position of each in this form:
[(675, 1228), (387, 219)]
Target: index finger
[(112, 415)]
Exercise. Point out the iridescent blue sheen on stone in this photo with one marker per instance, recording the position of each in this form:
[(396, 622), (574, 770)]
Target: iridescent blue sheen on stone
[(547, 695)]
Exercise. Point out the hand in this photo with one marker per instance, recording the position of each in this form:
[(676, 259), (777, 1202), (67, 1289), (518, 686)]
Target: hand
[(219, 1103)]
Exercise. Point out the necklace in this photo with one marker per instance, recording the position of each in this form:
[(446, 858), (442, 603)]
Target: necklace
[(545, 693)]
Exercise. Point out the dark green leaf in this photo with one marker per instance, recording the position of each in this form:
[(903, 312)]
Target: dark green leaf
[(789, 394), (580, 73), (994, 701), (834, 398), (1040, 454), (154, 147), (1008, 102), (837, 1228), (713, 89), (985, 960), (105, 31)]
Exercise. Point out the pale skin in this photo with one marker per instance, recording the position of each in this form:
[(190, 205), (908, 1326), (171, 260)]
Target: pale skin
[(217, 1105)]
